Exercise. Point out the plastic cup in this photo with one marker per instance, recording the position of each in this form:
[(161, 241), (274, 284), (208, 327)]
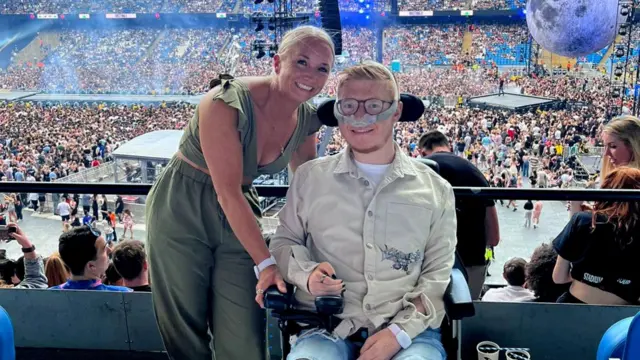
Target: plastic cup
[(517, 355), (488, 355)]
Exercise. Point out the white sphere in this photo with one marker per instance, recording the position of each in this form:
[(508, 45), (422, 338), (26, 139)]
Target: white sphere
[(574, 28)]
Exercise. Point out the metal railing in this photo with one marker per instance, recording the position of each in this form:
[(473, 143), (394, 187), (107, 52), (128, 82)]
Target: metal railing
[(281, 191)]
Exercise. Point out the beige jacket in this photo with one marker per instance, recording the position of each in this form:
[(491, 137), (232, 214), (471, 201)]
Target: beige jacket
[(389, 244)]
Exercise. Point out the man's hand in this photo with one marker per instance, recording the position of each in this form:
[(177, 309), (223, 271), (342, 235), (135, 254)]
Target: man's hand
[(268, 277), (381, 346), (322, 281)]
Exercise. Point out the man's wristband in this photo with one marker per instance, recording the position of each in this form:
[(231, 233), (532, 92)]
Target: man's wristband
[(263, 265), (401, 336)]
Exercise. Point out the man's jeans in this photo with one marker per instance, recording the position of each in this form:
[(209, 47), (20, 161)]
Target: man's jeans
[(317, 344)]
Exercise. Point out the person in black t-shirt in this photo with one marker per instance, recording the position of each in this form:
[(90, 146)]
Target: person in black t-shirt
[(130, 260), (477, 218), (598, 250)]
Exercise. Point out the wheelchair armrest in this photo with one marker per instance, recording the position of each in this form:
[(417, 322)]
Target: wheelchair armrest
[(275, 300), (457, 298)]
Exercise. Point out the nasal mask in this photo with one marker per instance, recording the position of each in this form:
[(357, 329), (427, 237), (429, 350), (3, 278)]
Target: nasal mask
[(365, 120)]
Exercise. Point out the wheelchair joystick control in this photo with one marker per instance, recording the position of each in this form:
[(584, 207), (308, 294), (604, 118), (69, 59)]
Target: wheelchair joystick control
[(329, 305)]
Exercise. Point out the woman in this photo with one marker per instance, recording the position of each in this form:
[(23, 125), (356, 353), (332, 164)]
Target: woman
[(621, 138), (55, 270), (598, 250), (203, 233)]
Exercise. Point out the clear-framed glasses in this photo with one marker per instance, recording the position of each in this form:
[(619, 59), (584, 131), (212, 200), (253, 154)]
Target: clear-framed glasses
[(371, 106)]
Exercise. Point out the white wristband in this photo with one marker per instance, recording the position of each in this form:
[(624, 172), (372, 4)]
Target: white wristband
[(401, 336), (263, 265)]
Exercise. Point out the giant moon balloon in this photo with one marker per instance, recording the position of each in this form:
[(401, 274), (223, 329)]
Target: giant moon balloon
[(573, 28)]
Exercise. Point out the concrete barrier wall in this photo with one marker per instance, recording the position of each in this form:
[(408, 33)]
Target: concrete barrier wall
[(551, 331), (125, 323)]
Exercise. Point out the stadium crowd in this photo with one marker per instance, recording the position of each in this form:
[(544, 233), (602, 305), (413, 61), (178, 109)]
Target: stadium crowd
[(169, 6), (174, 61)]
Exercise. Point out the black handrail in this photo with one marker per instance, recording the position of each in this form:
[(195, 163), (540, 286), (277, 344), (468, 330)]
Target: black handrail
[(280, 191)]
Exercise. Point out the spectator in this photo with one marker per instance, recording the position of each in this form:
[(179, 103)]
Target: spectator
[(55, 270), (84, 251), (597, 250), (514, 274), (29, 270), (477, 221), (130, 260), (539, 275)]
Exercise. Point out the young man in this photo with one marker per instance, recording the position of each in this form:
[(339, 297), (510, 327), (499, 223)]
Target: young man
[(478, 225), (130, 260), (84, 251), (374, 225)]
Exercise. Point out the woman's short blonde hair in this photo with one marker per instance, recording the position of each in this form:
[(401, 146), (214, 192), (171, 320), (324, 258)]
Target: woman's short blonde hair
[(369, 70), (302, 34), (626, 129)]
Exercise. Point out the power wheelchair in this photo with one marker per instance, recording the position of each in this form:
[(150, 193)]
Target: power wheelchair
[(457, 299)]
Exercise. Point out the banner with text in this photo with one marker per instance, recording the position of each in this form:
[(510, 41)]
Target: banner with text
[(120, 16), (416, 13), (47, 16)]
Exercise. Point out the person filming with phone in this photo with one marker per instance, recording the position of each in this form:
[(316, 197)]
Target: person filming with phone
[(373, 225), (34, 277)]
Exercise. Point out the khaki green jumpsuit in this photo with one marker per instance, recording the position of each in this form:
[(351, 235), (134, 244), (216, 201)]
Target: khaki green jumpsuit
[(202, 277)]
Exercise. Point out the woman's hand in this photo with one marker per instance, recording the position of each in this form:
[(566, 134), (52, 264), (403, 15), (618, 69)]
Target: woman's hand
[(268, 277)]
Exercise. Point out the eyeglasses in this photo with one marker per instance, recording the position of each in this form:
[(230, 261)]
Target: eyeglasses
[(371, 106)]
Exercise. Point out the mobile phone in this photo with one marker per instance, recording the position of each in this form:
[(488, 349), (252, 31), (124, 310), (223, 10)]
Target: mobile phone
[(5, 230)]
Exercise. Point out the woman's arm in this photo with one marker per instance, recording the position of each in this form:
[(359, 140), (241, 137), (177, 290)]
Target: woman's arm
[(222, 151), (562, 271)]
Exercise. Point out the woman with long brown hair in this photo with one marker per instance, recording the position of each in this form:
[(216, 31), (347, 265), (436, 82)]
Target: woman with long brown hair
[(598, 249)]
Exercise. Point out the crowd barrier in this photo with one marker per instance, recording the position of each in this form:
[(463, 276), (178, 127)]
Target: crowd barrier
[(83, 324), (122, 325)]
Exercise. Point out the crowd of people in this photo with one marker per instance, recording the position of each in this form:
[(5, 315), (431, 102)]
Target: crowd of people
[(175, 61), (230, 6)]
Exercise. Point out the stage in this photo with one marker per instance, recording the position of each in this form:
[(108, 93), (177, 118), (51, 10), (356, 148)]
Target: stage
[(513, 102)]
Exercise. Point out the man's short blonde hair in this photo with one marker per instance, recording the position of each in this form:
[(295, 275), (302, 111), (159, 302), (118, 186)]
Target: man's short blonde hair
[(369, 70)]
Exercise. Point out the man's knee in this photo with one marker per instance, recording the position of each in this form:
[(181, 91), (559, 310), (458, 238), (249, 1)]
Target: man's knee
[(318, 345)]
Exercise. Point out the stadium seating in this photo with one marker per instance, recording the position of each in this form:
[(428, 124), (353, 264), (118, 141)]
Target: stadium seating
[(7, 347), (621, 340)]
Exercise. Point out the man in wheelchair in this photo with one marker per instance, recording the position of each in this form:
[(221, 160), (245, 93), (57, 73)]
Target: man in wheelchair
[(369, 226)]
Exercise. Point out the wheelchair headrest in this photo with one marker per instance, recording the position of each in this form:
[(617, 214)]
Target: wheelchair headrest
[(430, 163), (412, 110)]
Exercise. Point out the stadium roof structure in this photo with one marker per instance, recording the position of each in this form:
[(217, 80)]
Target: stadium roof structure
[(513, 102), (155, 145)]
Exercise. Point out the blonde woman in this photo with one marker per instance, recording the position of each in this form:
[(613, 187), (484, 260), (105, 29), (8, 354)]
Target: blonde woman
[(621, 138), (202, 214)]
